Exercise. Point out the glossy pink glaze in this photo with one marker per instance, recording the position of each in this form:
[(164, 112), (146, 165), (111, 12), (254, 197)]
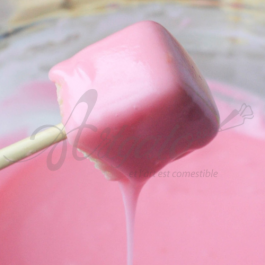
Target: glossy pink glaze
[(74, 216), (153, 105)]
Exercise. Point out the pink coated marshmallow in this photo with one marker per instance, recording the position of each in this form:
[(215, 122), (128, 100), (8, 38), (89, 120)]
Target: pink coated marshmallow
[(149, 103)]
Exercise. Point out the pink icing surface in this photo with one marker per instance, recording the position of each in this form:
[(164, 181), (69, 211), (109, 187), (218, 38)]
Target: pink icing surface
[(74, 216)]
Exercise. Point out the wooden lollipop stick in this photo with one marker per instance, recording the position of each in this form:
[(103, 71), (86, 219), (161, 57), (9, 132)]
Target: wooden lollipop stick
[(29, 146)]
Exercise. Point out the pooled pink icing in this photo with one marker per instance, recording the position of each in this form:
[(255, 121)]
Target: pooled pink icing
[(74, 216)]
